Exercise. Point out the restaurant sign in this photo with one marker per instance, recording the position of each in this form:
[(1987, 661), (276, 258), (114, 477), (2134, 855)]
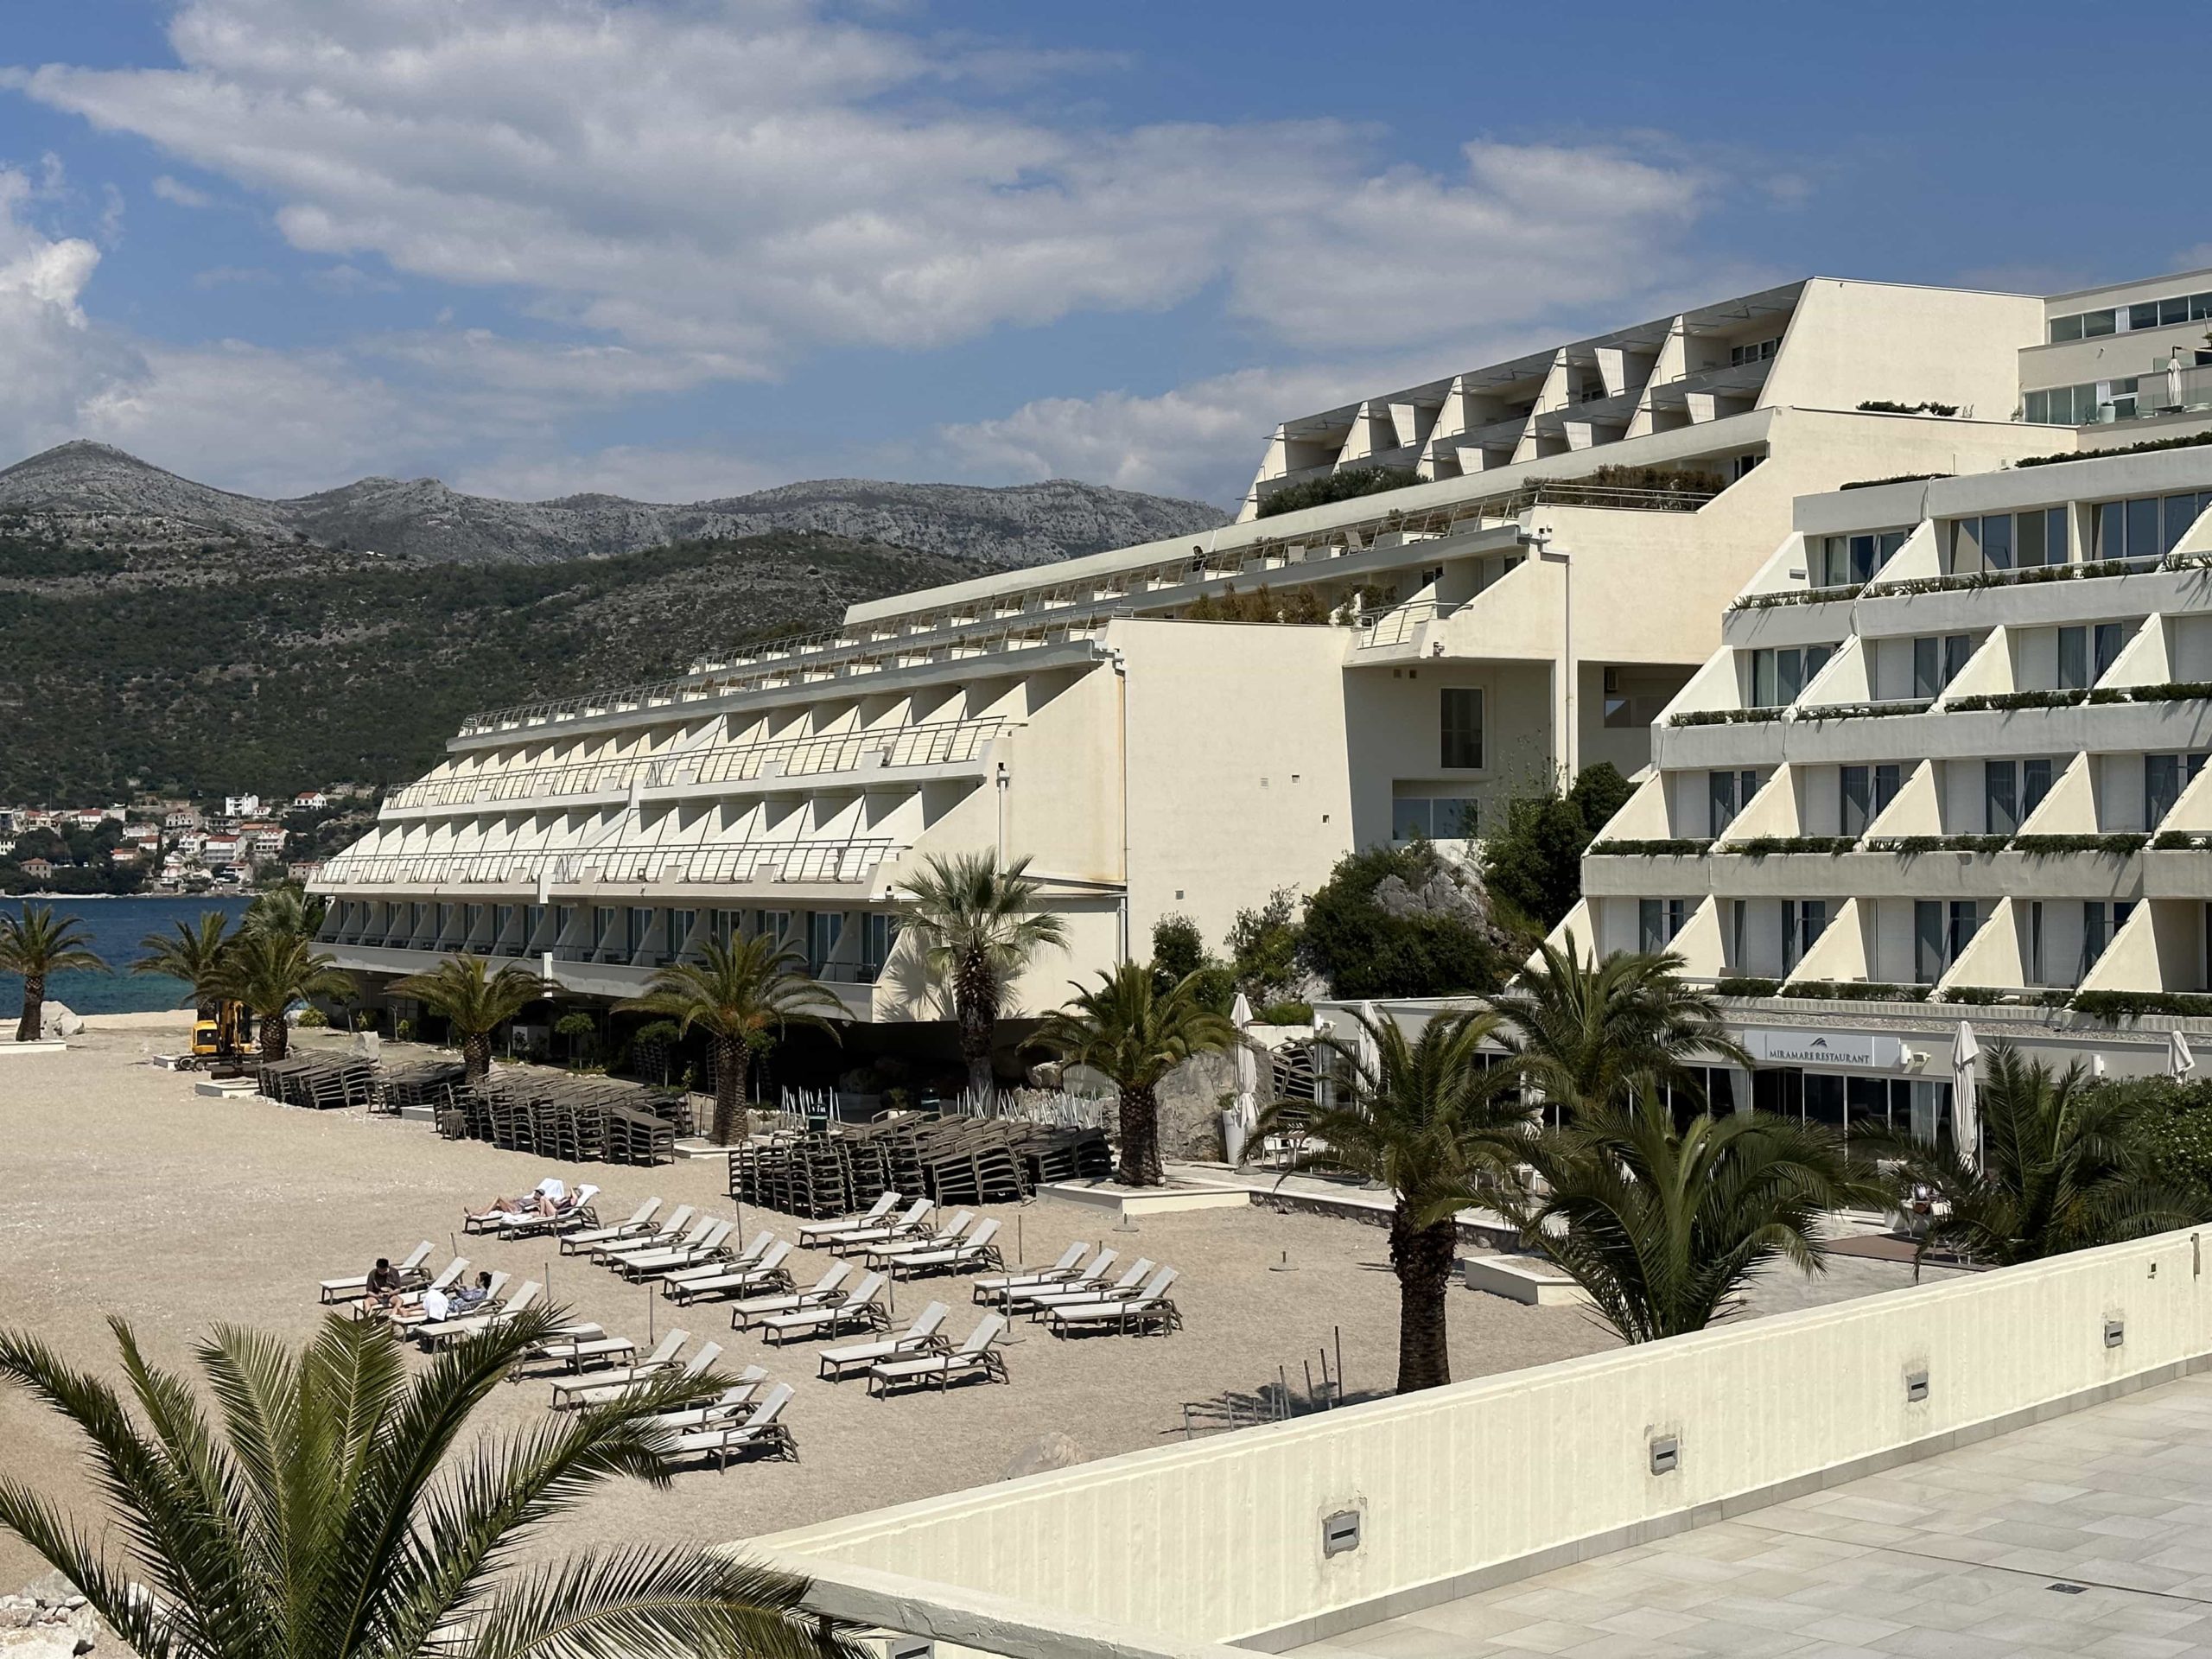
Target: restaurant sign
[(1848, 1051)]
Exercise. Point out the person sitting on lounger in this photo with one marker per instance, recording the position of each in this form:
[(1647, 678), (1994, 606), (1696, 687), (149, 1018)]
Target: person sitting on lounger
[(455, 1304), (548, 1199), (384, 1286)]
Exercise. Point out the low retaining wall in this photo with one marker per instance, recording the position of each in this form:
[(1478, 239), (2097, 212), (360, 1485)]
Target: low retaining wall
[(1222, 1540)]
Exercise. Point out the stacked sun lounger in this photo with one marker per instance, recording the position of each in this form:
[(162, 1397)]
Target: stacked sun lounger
[(428, 1083), (950, 1160), (573, 1119), (320, 1082)]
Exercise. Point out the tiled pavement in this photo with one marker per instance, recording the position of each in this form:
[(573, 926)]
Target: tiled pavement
[(1959, 1556)]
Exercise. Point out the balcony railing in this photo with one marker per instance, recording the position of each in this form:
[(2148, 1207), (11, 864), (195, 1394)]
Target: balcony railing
[(941, 743), (752, 861)]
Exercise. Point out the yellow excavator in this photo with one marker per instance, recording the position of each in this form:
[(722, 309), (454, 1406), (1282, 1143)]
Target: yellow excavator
[(219, 1039)]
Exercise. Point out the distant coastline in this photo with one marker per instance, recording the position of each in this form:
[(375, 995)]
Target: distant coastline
[(115, 922)]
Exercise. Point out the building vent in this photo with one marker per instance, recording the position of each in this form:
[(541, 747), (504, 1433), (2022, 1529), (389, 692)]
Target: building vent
[(1340, 1532), (1916, 1387), (1665, 1455), (2115, 1332)]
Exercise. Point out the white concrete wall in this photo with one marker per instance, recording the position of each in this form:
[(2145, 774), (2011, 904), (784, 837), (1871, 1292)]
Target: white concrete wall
[(1220, 1539)]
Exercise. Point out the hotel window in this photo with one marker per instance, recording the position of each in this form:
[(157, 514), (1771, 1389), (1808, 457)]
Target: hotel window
[(2035, 943), (774, 924), (1758, 352), (603, 920), (2148, 526), (1445, 817), (1778, 675), (1739, 934), (1727, 793), (1936, 662), (1462, 723), (1939, 931), (722, 926), (1803, 920), (2165, 777), (1657, 922), (877, 942), (2000, 797), (824, 929), (641, 928), (1867, 792), (2100, 922), (533, 921), (680, 924), (2073, 658), (2164, 312), (1849, 561)]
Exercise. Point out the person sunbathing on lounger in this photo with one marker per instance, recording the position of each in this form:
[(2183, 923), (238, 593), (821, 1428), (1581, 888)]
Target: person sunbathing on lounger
[(546, 1199), (454, 1303)]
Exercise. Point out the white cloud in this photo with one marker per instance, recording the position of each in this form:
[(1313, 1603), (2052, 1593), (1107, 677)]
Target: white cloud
[(750, 183), (174, 190)]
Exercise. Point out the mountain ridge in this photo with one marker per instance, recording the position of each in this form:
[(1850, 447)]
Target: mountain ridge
[(84, 492)]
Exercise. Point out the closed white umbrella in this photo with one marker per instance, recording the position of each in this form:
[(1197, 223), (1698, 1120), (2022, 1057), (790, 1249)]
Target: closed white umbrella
[(1966, 1122), (1237, 1123), (1364, 1046), (2178, 1054), (2096, 1065)]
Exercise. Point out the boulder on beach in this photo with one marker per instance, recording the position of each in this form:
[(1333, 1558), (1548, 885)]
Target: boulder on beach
[(57, 1020)]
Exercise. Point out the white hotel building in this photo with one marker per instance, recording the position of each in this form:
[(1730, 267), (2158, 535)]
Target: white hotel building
[(1523, 607), (1949, 760)]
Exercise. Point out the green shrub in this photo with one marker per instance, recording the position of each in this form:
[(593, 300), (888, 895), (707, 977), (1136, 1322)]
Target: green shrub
[(1286, 1013), (1535, 864), (1894, 478), (1745, 986), (2175, 1130), (2133, 1005), (1346, 486), (1362, 949), (2143, 448), (1724, 716), (1765, 846), (2113, 846), (1665, 846), (1884, 406), (1857, 990)]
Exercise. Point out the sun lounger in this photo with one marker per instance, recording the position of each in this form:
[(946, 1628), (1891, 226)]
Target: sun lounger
[(920, 1336), (577, 1212), (490, 1221), (827, 1289), (859, 1312), (759, 1278), (355, 1286), (652, 1264), (1035, 1302), (638, 1226), (942, 1238), (1150, 1310), (605, 1386), (977, 1356), (1061, 1272), (583, 1351), (730, 1404), (821, 1232), (761, 1432), (908, 1225), (977, 1250), (673, 1231), (441, 1334), (656, 1365), (763, 1242), (1010, 1287)]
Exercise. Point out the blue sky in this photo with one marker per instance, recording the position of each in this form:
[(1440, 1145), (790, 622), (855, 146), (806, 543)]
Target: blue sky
[(680, 248)]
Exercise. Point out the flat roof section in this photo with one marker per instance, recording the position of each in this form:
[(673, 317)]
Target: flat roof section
[(2088, 1534)]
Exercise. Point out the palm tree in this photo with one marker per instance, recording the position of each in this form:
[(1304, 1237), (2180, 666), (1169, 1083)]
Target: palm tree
[(2062, 1167), (36, 944), (979, 925), (1589, 1034), (1135, 1033), (319, 1513), (193, 953), (269, 971), (744, 997), (1664, 1227), (1440, 1127), (474, 1004), (286, 908)]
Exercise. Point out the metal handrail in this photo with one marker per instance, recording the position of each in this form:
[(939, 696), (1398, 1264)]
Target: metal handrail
[(752, 862), (937, 743)]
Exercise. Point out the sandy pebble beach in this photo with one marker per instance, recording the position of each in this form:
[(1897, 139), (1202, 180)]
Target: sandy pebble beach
[(126, 1194)]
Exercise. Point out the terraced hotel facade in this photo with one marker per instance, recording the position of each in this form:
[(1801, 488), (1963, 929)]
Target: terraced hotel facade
[(1559, 576)]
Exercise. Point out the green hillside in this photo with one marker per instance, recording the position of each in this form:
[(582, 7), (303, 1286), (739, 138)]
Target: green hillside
[(273, 669)]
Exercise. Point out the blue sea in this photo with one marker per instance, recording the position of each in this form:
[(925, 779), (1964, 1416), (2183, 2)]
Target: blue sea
[(114, 926)]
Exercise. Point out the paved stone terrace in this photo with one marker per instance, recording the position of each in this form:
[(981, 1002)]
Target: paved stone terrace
[(2090, 1534)]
